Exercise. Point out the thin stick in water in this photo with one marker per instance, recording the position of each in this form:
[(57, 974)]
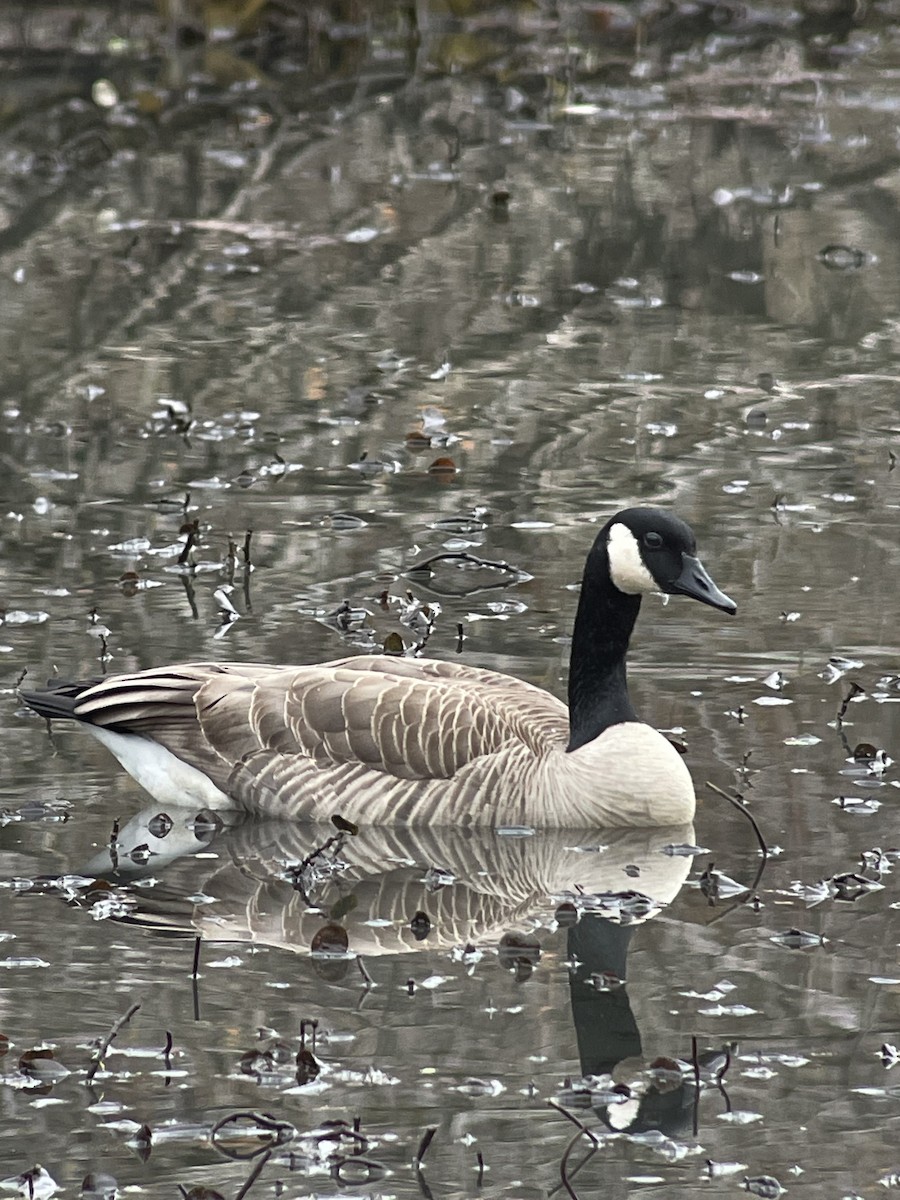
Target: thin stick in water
[(742, 808), (104, 1046), (427, 1137)]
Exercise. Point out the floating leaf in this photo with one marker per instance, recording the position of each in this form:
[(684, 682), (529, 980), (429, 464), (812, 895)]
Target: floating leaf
[(798, 939), (766, 1186)]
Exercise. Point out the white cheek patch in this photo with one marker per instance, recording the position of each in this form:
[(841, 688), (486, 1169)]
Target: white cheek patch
[(626, 567)]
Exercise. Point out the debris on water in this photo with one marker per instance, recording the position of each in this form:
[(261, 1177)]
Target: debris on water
[(874, 761), (460, 573), (837, 257), (851, 885), (480, 1087), (765, 1186), (811, 894), (889, 1056), (798, 939), (684, 850), (443, 468), (467, 523), (862, 805), (720, 1170), (436, 878), (345, 618), (717, 886), (606, 981), (343, 522), (728, 1010), (99, 1186), (739, 1117), (566, 915), (441, 371), (420, 926), (36, 1183)]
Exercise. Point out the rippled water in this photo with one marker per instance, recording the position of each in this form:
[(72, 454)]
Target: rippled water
[(268, 286)]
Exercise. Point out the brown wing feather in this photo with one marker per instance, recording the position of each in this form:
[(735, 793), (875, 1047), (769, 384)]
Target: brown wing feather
[(407, 718)]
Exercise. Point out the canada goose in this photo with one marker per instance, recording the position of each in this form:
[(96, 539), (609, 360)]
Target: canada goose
[(383, 740)]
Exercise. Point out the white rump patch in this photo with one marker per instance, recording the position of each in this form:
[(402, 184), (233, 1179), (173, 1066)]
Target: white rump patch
[(168, 779), (626, 567)]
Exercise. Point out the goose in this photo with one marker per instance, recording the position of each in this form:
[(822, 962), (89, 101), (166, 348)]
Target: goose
[(376, 739)]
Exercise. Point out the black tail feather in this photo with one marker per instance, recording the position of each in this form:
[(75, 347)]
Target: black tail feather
[(58, 699)]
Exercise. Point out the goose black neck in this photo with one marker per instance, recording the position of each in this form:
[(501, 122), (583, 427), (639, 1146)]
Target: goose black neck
[(598, 687)]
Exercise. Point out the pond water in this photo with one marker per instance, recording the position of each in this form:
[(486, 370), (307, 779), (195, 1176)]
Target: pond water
[(372, 283)]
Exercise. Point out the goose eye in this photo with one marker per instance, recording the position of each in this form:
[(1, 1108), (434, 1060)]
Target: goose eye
[(652, 540)]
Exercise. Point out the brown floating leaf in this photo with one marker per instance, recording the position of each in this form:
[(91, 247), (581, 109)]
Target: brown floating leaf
[(393, 644), (417, 440), (330, 939), (443, 468)]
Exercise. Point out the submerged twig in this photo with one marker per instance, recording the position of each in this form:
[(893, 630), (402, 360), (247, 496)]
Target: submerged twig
[(855, 690), (281, 1131), (426, 1141), (579, 1125), (742, 808), (248, 567), (753, 890), (104, 1046)]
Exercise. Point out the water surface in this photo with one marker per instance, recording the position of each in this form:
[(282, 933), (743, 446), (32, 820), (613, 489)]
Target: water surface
[(268, 288)]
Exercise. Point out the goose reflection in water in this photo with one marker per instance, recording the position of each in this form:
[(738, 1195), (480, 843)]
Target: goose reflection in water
[(389, 891)]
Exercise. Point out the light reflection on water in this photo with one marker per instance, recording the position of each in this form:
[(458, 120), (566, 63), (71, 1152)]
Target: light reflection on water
[(650, 318)]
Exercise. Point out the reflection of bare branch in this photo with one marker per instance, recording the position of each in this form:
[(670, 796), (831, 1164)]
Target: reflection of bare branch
[(463, 556), (426, 1141), (259, 1124), (583, 1131), (564, 1173), (254, 1175), (423, 573), (188, 584)]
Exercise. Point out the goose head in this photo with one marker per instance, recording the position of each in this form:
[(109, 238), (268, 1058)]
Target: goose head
[(638, 551), (650, 550)]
